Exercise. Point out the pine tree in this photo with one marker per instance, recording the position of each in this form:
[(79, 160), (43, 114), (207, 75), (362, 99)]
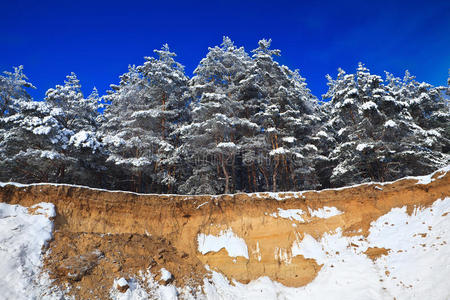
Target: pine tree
[(30, 133), (78, 115), (240, 124), (283, 108), (377, 136), (13, 91), (426, 113), (32, 144), (167, 89), (211, 140), (146, 108)]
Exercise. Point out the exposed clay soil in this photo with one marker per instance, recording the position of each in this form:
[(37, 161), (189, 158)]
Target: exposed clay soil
[(101, 235)]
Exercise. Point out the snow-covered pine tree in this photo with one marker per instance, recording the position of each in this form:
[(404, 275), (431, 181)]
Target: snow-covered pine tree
[(30, 135), (167, 87), (13, 91), (211, 140), (325, 142), (448, 84), (35, 143), (78, 115), (146, 108), (377, 137), (284, 110), (427, 136), (357, 125)]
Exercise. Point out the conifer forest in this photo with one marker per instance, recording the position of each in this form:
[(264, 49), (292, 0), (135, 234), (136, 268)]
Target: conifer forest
[(242, 123)]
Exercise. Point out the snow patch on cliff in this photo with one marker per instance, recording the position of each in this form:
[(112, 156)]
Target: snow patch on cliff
[(324, 212), (416, 265), (23, 234), (234, 245), (290, 214)]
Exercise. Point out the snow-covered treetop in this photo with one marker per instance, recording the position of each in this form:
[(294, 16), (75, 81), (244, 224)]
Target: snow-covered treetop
[(12, 90), (222, 66), (78, 112), (167, 57), (263, 49), (64, 95)]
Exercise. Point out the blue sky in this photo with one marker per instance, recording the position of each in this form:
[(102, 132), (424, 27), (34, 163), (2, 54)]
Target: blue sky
[(98, 39)]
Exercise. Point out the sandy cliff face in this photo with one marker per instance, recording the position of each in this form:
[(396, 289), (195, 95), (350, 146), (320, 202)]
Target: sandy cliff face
[(101, 235)]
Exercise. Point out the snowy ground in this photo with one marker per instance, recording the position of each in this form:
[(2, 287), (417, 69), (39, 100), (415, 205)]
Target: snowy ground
[(417, 265), (23, 233)]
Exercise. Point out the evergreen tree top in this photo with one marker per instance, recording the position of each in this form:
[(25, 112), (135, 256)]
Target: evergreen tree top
[(263, 49)]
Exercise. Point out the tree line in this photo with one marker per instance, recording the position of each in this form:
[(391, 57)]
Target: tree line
[(242, 123)]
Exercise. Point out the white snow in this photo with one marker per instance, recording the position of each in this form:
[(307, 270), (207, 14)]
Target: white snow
[(291, 214), (23, 233), (50, 154), (165, 275), (84, 139), (362, 146), (288, 139), (341, 131), (324, 212), (122, 282), (369, 105), (348, 102), (322, 134), (426, 179), (390, 123), (278, 151), (134, 292), (310, 147), (227, 145), (417, 266), (234, 245), (145, 287)]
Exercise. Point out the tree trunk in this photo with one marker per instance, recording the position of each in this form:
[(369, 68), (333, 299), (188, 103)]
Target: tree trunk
[(225, 173), (255, 187), (294, 183), (233, 172), (274, 175), (249, 180), (265, 178), (163, 120)]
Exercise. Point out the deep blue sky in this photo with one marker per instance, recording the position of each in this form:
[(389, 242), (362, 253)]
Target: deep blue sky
[(98, 39)]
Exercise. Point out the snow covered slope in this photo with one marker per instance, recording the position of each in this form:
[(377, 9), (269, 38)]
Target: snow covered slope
[(371, 241), (23, 234), (416, 264)]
